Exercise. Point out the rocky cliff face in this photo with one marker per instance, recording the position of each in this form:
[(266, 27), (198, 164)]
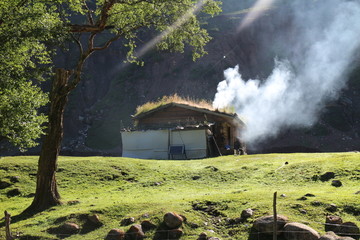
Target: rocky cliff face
[(110, 91)]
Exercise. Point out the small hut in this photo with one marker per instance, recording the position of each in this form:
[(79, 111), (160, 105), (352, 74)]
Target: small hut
[(182, 131)]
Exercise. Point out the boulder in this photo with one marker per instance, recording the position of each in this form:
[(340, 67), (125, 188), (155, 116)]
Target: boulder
[(348, 229), (331, 208), (336, 183), (4, 184), (299, 231), (202, 236), (73, 202), (94, 219), (247, 213), (327, 176), (127, 221), (14, 179), (174, 233), (265, 224), (115, 234), (332, 222), (332, 236), (316, 203), (69, 228), (173, 220), (303, 211), (14, 192), (147, 225), (135, 232)]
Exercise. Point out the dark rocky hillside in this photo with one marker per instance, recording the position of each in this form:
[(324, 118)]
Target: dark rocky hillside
[(111, 90)]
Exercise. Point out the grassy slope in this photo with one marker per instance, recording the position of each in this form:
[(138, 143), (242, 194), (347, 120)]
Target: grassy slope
[(116, 188)]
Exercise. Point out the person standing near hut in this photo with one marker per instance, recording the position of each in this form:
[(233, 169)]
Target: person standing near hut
[(239, 148)]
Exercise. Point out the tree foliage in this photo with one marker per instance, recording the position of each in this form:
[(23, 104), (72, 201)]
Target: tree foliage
[(25, 31)]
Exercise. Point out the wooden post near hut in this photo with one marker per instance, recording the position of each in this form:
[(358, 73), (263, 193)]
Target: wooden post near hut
[(275, 217), (7, 226)]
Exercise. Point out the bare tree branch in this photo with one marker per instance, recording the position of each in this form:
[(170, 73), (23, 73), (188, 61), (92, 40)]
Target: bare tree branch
[(108, 43), (89, 13), (77, 41)]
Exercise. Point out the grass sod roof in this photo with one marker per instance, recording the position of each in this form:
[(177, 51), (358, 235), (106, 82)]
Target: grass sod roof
[(202, 105)]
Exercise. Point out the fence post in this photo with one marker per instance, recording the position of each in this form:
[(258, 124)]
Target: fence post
[(275, 217), (7, 226)]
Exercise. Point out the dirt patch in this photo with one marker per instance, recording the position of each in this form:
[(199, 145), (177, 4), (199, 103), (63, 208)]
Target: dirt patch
[(353, 210), (212, 208)]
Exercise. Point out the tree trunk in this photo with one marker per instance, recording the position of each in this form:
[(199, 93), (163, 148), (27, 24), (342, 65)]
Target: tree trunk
[(47, 194)]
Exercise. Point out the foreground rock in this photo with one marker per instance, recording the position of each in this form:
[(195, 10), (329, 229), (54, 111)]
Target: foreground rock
[(127, 221), (4, 184), (135, 233), (332, 222), (299, 231), (202, 236), (147, 225), (115, 234), (247, 213), (332, 236), (65, 229), (327, 176), (348, 229), (14, 192), (265, 224), (173, 220)]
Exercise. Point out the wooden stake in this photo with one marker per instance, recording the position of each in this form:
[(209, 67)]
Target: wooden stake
[(275, 218), (7, 226)]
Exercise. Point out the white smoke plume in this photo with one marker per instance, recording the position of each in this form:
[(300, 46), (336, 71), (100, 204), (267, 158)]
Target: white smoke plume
[(327, 39)]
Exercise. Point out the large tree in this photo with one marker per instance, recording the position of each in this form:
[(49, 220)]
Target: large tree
[(93, 26)]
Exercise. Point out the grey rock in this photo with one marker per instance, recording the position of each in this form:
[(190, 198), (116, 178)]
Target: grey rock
[(15, 179), (327, 176), (331, 208), (265, 224), (247, 213), (127, 221), (173, 220), (14, 192), (94, 219), (348, 229), (336, 183), (69, 228), (299, 231), (332, 236), (175, 233), (147, 225), (202, 236), (332, 222), (4, 184), (115, 234), (135, 232)]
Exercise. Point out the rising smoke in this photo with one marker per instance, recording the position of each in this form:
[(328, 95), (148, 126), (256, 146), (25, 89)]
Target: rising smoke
[(311, 70)]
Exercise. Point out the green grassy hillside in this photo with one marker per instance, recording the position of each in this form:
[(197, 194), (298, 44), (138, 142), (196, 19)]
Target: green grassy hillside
[(119, 188)]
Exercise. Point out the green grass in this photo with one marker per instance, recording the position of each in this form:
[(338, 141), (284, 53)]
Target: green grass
[(117, 188), (173, 99)]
